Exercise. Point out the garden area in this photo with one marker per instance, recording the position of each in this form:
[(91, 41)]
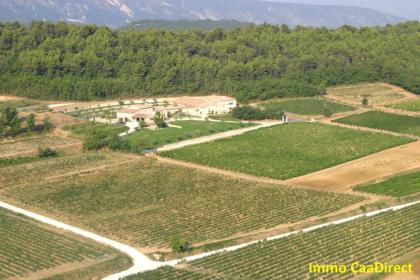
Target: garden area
[(146, 203), (307, 106), (398, 186), (386, 121), (287, 151)]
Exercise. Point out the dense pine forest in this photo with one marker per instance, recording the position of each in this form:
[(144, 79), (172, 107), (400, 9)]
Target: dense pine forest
[(63, 61)]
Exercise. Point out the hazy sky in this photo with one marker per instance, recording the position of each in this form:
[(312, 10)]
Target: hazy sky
[(409, 9)]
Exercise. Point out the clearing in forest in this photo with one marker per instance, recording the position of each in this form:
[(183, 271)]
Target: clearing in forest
[(146, 203), (307, 106), (289, 258), (368, 169), (28, 248), (376, 93), (380, 120), (287, 151)]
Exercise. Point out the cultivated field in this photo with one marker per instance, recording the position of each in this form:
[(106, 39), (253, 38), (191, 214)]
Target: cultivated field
[(386, 121), (384, 238), (47, 169), (376, 93), (307, 106), (365, 170), (185, 130), (398, 186), (28, 249), (287, 151), (412, 106), (146, 203), (28, 146)]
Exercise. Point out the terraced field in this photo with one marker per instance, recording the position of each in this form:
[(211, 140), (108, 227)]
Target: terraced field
[(386, 121), (146, 203), (287, 151), (376, 93), (307, 106), (27, 247), (412, 105), (28, 146), (397, 186), (383, 238)]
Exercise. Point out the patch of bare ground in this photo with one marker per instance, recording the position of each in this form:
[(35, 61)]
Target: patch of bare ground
[(375, 167), (9, 98)]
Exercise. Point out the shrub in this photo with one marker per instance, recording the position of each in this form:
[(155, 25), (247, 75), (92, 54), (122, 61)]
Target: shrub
[(46, 152)]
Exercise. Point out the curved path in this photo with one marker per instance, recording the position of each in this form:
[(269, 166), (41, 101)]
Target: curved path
[(142, 263)]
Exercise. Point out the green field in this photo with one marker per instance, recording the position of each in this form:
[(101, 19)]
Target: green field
[(146, 203), (412, 106), (385, 121), (188, 130), (18, 103), (85, 130), (397, 186), (27, 247), (381, 238), (287, 151), (309, 106)]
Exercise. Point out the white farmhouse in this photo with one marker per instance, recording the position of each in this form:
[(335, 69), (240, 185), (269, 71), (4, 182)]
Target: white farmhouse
[(203, 106)]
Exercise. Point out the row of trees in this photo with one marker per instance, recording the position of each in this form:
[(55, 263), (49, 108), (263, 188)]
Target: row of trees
[(62, 61), (12, 124)]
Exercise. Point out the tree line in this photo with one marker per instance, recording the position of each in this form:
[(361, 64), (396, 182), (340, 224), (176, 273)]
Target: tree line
[(73, 62)]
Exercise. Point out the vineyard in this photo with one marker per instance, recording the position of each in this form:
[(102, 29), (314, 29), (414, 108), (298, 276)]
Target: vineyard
[(412, 106), (26, 247), (307, 106), (146, 203), (377, 94), (397, 186), (184, 130), (30, 145), (169, 273), (287, 151), (384, 238), (385, 121), (44, 169)]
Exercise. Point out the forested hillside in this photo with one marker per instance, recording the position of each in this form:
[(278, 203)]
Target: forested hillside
[(61, 61)]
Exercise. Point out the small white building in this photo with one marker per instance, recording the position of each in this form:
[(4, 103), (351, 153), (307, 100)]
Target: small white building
[(203, 106)]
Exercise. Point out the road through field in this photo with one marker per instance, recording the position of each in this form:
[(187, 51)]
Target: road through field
[(368, 169), (216, 136), (141, 263)]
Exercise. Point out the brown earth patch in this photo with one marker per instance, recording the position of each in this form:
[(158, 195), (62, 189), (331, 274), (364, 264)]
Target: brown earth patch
[(375, 167)]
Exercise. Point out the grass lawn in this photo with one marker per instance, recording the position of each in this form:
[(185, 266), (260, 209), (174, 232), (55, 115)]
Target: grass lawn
[(146, 203), (309, 106), (17, 103), (287, 151), (412, 106), (386, 121), (188, 130), (84, 130), (27, 247), (226, 117), (397, 186)]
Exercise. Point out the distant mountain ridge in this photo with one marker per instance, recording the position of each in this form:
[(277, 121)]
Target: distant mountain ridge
[(120, 12), (184, 24)]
